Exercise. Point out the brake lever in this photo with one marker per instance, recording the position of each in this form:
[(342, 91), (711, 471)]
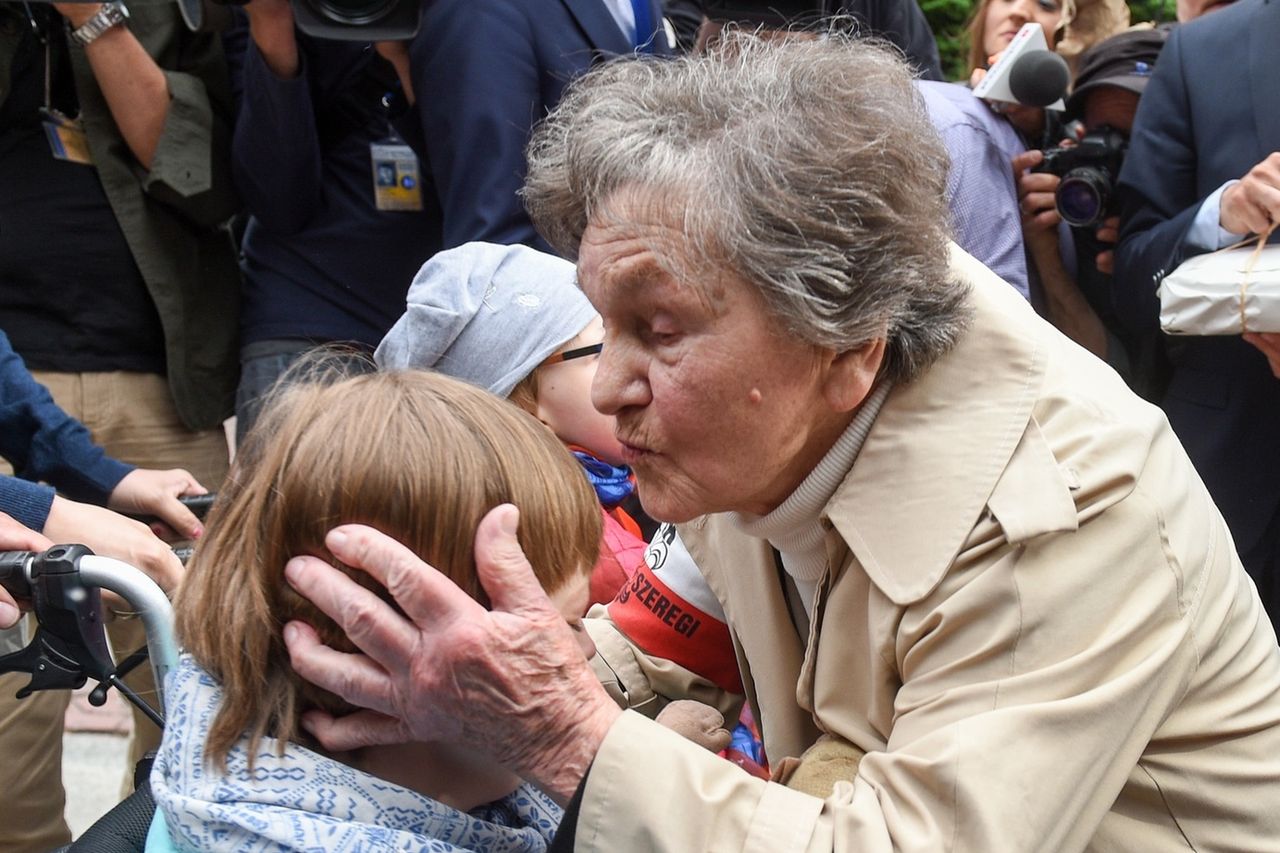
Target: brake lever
[(70, 644)]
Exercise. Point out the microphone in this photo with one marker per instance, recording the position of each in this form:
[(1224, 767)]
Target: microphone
[(1037, 78), (1042, 74)]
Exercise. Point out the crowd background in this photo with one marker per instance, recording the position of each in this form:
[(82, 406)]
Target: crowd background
[(949, 19), (281, 130)]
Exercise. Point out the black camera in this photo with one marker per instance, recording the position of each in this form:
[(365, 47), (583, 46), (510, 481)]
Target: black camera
[(351, 20), (359, 20), (1086, 193)]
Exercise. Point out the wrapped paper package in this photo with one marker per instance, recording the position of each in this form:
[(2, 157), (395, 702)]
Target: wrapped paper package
[(1223, 293)]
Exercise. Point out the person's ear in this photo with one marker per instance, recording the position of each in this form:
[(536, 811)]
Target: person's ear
[(851, 374)]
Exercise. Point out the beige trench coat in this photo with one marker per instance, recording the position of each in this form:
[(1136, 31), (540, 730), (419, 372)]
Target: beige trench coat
[(1033, 621)]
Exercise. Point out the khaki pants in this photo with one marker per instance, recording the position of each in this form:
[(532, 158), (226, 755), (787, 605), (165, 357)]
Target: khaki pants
[(132, 416)]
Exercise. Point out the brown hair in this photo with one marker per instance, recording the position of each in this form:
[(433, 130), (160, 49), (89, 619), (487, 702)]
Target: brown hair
[(418, 455), (525, 394)]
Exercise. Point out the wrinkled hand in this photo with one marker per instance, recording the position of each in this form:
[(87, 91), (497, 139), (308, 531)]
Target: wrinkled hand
[(1269, 344), (145, 491), (77, 14), (1036, 193), (1251, 206), (16, 537), (112, 535), (510, 682)]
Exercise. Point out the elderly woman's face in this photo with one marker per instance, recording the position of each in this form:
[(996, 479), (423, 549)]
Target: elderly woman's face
[(717, 407)]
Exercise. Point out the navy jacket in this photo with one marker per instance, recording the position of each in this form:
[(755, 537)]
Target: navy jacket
[(484, 72), (1210, 113), (42, 442), (320, 261)]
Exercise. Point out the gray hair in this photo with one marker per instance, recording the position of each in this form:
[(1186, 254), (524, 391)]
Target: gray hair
[(807, 167)]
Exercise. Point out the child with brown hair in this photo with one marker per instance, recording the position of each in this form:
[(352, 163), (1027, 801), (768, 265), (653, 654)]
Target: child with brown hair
[(421, 457)]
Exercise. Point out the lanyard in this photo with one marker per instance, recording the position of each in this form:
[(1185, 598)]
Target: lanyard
[(43, 35)]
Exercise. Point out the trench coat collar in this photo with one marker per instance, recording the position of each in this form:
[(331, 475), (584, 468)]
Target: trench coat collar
[(941, 443)]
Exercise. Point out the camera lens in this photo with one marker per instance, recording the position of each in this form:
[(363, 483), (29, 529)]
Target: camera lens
[(1083, 195), (355, 11)]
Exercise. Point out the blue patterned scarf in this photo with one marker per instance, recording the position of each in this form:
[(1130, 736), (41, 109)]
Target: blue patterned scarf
[(305, 801)]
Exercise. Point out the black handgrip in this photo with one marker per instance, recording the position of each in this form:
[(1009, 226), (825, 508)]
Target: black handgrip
[(198, 504), (14, 572)]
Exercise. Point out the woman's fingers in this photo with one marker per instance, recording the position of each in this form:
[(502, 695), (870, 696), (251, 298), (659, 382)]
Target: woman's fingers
[(502, 567), (355, 678), (354, 731), (424, 594), (369, 622)]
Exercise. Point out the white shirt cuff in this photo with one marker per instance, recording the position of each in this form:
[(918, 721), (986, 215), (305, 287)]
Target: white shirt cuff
[(1205, 232)]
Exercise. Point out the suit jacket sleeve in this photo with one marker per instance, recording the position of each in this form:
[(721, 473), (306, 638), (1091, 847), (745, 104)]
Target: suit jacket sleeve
[(476, 77), (1158, 193)]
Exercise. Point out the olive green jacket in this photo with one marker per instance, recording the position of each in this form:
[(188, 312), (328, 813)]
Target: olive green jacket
[(172, 216)]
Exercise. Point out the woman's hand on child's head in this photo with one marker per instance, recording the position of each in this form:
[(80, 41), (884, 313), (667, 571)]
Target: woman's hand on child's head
[(510, 682)]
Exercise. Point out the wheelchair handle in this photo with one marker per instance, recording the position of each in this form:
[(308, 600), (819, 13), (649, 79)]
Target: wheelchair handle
[(198, 504), (150, 603), (63, 584), (15, 572)]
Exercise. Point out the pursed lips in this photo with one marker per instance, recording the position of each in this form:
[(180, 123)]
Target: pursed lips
[(631, 448)]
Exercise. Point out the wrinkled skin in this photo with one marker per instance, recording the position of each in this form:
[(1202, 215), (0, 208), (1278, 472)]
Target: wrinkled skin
[(510, 682)]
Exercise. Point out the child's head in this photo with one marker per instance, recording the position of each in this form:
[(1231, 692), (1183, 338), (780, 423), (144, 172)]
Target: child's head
[(500, 317), (417, 455)]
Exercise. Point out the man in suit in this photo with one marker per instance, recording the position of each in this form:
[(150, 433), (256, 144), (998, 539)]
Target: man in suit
[(484, 72), (1202, 172)]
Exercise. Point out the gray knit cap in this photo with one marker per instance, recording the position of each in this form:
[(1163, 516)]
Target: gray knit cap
[(487, 314)]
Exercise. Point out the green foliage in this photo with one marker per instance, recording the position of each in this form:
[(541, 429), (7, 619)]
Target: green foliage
[(1159, 11), (947, 18)]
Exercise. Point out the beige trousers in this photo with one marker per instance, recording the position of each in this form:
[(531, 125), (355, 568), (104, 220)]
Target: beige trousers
[(132, 416)]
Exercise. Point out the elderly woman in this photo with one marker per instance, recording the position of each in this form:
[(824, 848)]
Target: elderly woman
[(937, 529)]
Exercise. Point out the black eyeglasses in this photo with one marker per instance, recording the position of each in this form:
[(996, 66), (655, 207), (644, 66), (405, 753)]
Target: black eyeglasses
[(579, 352)]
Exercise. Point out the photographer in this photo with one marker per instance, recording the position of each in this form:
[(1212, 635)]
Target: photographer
[(341, 212), (1078, 179), (118, 285)]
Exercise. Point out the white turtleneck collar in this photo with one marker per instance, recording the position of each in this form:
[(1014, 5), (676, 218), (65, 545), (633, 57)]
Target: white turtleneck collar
[(794, 528)]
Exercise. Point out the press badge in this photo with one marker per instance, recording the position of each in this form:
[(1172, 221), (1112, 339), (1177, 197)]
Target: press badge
[(396, 182), (67, 139)]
